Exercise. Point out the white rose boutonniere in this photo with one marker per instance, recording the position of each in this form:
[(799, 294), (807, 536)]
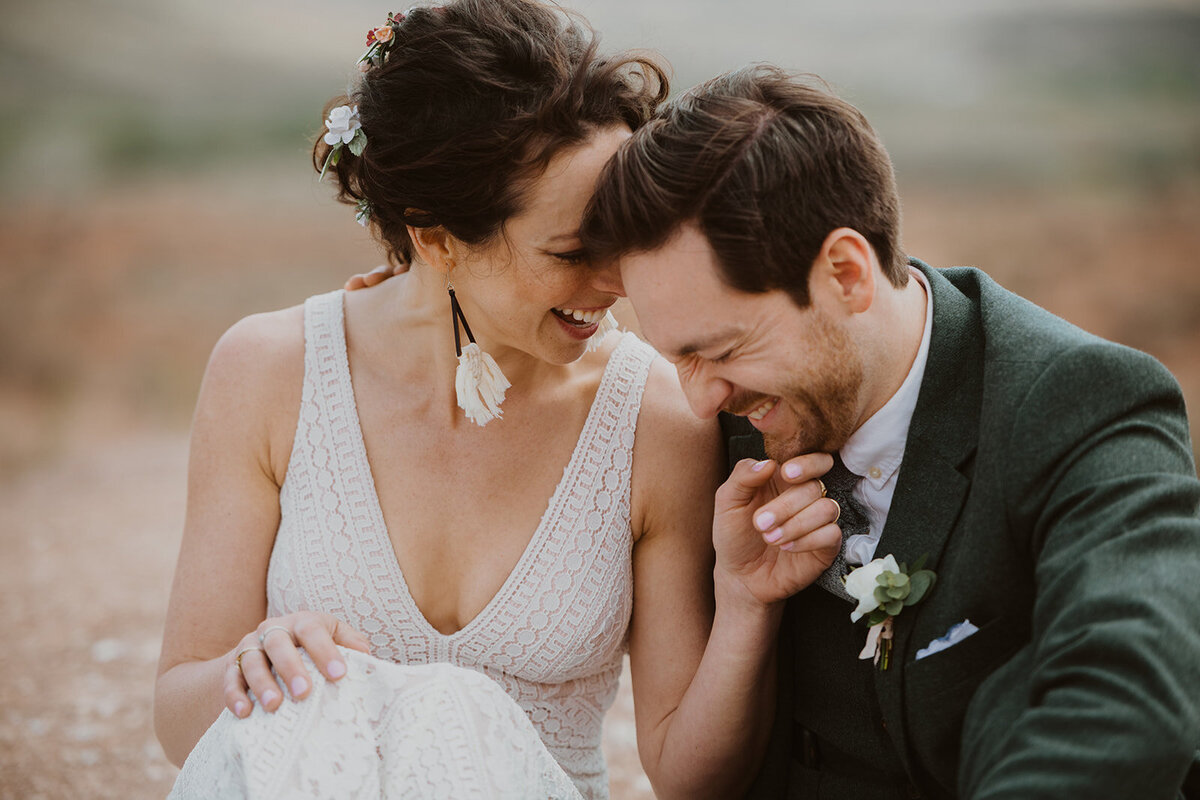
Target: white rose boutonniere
[(882, 589)]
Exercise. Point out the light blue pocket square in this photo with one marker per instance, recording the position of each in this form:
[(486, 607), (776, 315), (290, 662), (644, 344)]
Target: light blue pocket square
[(953, 636)]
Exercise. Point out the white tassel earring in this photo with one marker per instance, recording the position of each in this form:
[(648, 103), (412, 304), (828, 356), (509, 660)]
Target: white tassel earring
[(607, 325), (478, 382)]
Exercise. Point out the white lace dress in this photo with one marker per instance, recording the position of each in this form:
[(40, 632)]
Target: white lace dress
[(416, 720)]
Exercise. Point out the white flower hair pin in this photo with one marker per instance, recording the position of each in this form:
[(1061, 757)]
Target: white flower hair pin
[(344, 129), (882, 589)]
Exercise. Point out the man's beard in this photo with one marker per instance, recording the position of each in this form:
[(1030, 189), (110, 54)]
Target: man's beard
[(825, 412)]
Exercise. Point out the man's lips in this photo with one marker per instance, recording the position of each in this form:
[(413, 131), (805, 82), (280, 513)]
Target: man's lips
[(754, 408), (762, 409)]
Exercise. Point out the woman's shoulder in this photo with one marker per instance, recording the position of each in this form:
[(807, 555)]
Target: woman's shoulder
[(670, 436), (263, 345), (253, 384)]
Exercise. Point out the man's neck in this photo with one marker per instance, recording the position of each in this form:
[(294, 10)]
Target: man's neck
[(897, 339)]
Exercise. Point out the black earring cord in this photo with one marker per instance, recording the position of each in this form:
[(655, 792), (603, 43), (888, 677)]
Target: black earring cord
[(456, 316)]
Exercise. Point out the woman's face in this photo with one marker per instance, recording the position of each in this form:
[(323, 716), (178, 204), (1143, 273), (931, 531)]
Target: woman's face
[(531, 289)]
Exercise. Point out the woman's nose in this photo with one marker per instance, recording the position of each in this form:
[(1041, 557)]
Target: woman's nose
[(607, 278)]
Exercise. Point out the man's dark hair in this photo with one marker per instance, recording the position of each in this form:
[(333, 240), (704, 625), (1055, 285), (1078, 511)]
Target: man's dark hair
[(766, 166)]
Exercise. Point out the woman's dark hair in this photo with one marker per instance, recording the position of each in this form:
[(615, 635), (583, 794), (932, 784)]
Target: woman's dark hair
[(472, 101), (766, 166)]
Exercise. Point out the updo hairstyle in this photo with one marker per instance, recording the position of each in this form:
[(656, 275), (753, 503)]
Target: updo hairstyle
[(473, 100)]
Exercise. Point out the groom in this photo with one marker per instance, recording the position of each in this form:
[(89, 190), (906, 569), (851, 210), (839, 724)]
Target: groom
[(1045, 475)]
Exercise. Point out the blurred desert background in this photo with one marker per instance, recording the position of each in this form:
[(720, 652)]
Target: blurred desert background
[(155, 187)]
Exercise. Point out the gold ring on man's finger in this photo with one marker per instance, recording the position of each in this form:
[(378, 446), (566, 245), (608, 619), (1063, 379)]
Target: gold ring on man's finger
[(824, 493), (839, 505), (237, 659), (262, 637)]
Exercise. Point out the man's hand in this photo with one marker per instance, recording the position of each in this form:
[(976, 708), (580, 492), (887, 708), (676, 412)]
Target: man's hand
[(364, 280), (773, 529)]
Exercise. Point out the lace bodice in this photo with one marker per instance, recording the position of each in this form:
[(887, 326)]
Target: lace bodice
[(554, 634)]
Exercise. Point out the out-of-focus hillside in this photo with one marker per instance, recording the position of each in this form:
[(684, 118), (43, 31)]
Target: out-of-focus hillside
[(155, 187)]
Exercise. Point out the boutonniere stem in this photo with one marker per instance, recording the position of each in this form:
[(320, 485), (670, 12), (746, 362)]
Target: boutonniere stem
[(882, 589)]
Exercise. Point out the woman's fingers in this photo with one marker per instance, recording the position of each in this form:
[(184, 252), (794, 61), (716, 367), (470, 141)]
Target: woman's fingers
[(784, 517), (808, 538), (256, 672), (346, 636), (285, 658), (274, 650), (318, 634), (236, 699)]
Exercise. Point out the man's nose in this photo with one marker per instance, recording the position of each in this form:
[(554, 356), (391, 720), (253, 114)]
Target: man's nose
[(706, 393), (607, 278)]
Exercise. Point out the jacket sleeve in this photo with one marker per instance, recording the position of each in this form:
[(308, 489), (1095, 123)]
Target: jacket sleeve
[(1104, 702)]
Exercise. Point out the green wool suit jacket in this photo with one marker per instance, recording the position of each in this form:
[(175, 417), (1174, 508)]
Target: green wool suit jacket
[(1048, 476)]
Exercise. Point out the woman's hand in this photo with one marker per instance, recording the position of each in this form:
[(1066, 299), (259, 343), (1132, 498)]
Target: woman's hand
[(275, 644), (774, 530), (364, 280)]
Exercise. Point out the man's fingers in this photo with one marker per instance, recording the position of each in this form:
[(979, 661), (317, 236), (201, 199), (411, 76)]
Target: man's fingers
[(365, 280)]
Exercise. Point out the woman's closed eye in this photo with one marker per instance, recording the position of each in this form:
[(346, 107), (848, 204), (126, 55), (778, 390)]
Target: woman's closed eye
[(571, 256)]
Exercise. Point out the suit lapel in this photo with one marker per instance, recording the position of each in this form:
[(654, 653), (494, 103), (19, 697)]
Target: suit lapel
[(934, 475)]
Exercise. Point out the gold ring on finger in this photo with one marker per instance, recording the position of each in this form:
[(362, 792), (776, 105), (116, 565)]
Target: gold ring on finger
[(237, 659), (824, 493), (262, 637), (839, 514)]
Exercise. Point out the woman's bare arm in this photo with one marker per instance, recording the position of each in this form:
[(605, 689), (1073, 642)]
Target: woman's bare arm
[(704, 682), (241, 441)]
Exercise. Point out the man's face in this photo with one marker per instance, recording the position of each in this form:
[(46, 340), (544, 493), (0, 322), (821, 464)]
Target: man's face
[(793, 372)]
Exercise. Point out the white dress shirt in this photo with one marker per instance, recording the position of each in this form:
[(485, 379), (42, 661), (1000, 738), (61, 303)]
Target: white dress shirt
[(876, 449)]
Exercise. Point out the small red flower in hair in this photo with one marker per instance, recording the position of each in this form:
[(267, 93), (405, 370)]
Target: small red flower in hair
[(371, 36)]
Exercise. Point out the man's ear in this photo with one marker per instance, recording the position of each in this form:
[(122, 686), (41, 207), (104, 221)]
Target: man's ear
[(844, 270), (435, 246)]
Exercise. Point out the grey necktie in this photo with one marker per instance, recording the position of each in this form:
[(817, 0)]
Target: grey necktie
[(839, 484)]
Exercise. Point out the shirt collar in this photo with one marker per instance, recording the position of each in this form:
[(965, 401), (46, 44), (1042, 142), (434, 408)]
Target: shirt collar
[(876, 449)]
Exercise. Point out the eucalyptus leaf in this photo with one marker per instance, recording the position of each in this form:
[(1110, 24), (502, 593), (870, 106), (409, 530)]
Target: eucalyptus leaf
[(893, 607), (877, 616), (882, 579), (920, 582), (920, 563), (900, 580), (358, 143), (329, 159), (898, 592), (881, 595)]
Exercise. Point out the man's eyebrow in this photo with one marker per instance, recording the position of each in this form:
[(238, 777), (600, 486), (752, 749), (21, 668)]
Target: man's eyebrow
[(568, 236)]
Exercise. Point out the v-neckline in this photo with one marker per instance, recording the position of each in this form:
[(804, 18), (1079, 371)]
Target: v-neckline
[(375, 508)]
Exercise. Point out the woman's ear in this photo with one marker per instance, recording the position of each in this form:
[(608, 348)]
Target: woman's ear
[(435, 246), (844, 270)]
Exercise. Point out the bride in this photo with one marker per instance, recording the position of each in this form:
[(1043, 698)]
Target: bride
[(426, 521)]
